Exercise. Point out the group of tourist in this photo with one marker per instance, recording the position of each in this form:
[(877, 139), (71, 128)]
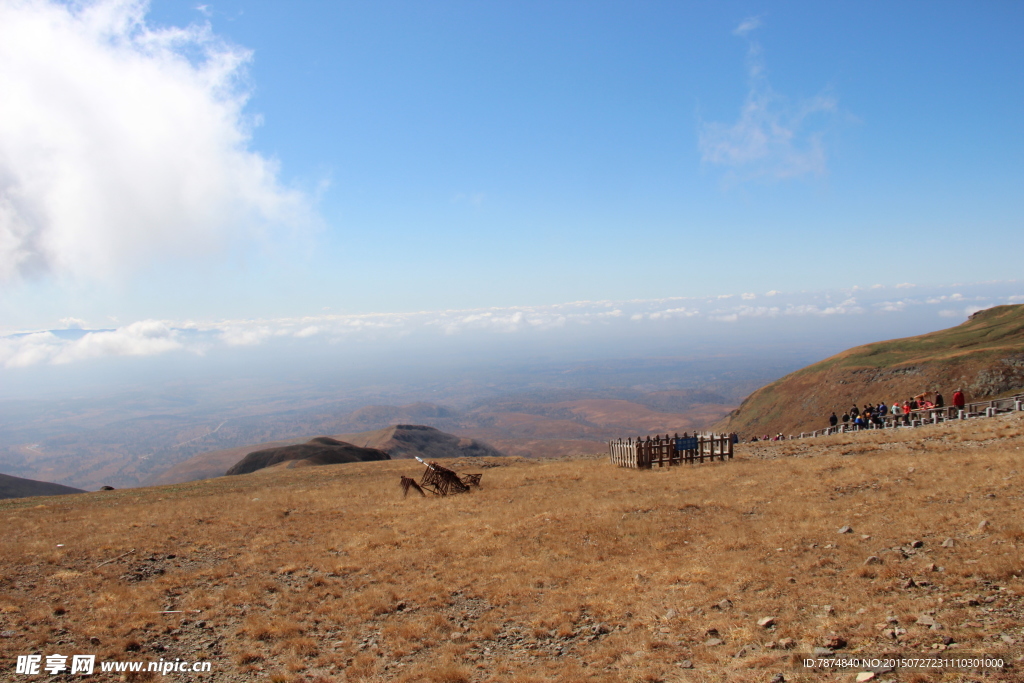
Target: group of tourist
[(861, 418), (778, 437)]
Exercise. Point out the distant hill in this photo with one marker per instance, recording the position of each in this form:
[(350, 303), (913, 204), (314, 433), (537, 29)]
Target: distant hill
[(408, 441), (322, 450), (212, 463), (984, 356), (16, 487), (398, 441)]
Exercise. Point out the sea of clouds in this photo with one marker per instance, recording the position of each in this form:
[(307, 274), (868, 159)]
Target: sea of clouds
[(749, 317)]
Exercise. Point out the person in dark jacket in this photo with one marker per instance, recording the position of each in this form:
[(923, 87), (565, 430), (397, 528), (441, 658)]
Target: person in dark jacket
[(846, 418), (939, 403), (833, 420)]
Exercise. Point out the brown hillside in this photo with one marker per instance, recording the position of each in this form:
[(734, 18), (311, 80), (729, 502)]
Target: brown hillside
[(322, 450), (565, 571), (984, 356), (16, 487)]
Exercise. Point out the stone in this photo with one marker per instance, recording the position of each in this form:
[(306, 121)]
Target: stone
[(836, 643), (909, 583), (829, 609), (778, 678), (948, 543), (711, 633), (929, 621), (931, 567), (983, 525), (865, 676), (8, 634), (766, 622), (724, 605), (787, 643), (846, 530), (713, 642), (823, 652), (686, 664), (669, 615), (874, 559), (917, 544)]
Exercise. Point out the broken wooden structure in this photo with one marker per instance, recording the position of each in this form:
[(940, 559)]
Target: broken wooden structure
[(440, 481)]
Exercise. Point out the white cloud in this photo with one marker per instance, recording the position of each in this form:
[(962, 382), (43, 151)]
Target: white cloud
[(773, 137), (240, 335), (121, 142), (747, 296), (891, 306), (772, 292), (72, 323), (905, 285), (678, 315), (746, 26), (142, 338)]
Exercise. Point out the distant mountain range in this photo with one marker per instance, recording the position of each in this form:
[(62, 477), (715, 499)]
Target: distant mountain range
[(132, 438), (16, 487), (396, 441), (984, 356)]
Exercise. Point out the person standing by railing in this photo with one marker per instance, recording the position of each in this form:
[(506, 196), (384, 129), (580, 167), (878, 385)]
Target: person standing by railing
[(832, 419), (959, 400)]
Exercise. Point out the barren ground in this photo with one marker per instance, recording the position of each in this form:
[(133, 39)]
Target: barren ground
[(564, 570)]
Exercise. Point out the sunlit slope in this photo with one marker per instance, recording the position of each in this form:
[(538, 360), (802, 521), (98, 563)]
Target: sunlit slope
[(552, 570), (984, 356)]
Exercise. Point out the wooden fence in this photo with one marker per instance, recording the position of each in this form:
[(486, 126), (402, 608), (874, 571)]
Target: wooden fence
[(665, 451), (927, 416)]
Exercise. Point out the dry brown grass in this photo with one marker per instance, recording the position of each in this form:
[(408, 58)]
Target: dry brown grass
[(554, 571)]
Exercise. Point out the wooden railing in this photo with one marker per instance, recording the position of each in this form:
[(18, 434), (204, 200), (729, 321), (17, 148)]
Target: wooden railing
[(926, 416), (665, 451)]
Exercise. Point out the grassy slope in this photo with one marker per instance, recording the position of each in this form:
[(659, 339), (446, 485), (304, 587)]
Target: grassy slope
[(552, 571), (970, 356)]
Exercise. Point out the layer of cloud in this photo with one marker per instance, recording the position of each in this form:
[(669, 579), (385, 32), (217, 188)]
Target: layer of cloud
[(120, 142), (143, 338), (595, 318), (774, 138)]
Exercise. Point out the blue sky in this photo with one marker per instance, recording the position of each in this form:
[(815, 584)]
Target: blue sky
[(214, 166)]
